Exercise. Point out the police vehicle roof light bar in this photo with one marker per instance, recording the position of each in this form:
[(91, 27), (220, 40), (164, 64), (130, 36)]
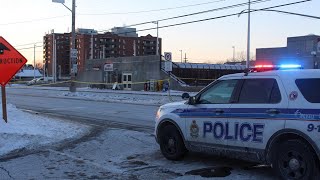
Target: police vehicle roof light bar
[(269, 67)]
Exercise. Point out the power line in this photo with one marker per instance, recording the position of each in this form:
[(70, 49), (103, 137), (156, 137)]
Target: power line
[(219, 17), (196, 13), (33, 20), (27, 44), (135, 12), (28, 48), (208, 19), (155, 10), (292, 13)]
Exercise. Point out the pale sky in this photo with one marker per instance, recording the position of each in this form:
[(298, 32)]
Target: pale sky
[(27, 21)]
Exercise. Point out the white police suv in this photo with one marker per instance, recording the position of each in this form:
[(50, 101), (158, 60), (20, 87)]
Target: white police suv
[(269, 117)]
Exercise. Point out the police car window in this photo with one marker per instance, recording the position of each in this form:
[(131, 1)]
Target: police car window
[(260, 91), (219, 93), (310, 89)]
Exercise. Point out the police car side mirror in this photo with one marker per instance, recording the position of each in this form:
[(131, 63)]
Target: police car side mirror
[(185, 96), (192, 100)]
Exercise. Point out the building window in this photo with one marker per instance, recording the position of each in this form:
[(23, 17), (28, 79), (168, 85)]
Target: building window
[(309, 46)]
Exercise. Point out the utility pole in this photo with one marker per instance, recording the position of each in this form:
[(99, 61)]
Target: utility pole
[(53, 56), (34, 61), (73, 50), (248, 41), (234, 51), (73, 60), (185, 57), (55, 62), (157, 46)]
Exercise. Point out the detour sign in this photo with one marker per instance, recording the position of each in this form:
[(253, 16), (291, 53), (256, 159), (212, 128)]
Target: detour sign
[(11, 61)]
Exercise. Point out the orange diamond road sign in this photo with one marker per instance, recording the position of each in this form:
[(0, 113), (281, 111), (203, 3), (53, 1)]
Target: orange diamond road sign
[(11, 61)]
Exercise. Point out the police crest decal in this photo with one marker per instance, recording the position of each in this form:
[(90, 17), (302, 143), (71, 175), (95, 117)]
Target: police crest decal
[(194, 129)]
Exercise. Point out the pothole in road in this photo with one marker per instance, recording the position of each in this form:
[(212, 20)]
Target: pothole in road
[(211, 172)]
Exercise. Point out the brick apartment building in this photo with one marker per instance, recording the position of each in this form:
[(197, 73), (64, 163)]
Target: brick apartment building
[(120, 42), (62, 52)]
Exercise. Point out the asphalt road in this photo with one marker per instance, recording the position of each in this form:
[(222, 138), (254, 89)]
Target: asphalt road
[(96, 112), (106, 153)]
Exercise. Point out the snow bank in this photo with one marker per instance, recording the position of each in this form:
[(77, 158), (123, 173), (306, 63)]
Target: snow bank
[(124, 98), (25, 130)]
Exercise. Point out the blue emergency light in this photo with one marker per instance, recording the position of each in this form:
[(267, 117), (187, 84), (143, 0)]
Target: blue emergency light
[(290, 66), (269, 67)]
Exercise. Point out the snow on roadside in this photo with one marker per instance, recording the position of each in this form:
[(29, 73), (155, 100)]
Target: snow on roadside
[(25, 130), (123, 98)]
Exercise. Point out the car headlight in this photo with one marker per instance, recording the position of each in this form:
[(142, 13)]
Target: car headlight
[(158, 113)]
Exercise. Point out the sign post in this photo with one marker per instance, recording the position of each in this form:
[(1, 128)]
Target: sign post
[(11, 61), (4, 104), (168, 68), (168, 61)]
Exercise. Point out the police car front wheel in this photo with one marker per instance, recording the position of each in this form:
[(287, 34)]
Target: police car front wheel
[(295, 160), (171, 143)]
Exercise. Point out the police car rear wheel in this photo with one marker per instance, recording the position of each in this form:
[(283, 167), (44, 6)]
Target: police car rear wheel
[(294, 160), (171, 143)]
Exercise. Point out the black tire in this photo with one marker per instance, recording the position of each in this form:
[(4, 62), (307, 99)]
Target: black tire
[(171, 143), (294, 159)]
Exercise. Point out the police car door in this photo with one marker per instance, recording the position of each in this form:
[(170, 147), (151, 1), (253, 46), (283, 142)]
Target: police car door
[(256, 114), (206, 120)]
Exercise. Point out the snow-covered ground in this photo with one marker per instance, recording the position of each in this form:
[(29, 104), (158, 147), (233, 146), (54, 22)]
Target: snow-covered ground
[(126, 154), (119, 96), (26, 130), (112, 154), (124, 98)]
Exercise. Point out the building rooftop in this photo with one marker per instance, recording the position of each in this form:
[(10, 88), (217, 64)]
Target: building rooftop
[(211, 66)]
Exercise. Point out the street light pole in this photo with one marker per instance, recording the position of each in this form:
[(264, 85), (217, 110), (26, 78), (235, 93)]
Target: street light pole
[(34, 61), (233, 47), (73, 60), (248, 41), (157, 46), (73, 51)]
